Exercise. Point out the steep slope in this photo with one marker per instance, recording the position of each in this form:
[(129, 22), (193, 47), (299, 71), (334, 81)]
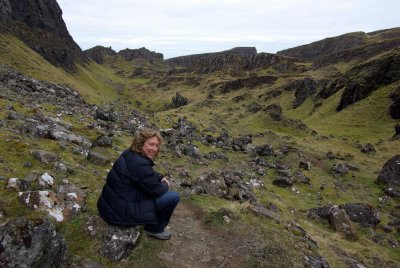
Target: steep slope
[(252, 141), (355, 47), (39, 24)]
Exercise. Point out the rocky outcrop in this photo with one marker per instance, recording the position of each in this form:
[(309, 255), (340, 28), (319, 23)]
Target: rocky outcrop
[(357, 46), (31, 243), (363, 214), (97, 53), (39, 24), (394, 108), (303, 89), (130, 54), (235, 60), (389, 177), (362, 80), (359, 54), (326, 46), (196, 59), (177, 101)]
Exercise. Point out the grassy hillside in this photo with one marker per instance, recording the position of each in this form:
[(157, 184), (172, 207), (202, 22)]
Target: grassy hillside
[(148, 87)]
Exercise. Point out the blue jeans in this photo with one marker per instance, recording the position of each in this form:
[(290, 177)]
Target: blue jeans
[(165, 206)]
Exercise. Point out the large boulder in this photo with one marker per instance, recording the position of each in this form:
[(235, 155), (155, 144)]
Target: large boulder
[(363, 214), (31, 243), (389, 177)]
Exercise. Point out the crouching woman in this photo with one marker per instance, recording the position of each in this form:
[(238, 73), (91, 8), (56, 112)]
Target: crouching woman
[(134, 194)]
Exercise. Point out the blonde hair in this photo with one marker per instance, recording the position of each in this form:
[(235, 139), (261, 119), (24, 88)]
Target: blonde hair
[(140, 138)]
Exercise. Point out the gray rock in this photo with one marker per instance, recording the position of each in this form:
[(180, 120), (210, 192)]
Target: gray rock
[(340, 169), (283, 181), (119, 242), (70, 137), (44, 156), (261, 211), (264, 150), (368, 148), (103, 141), (106, 115), (97, 158), (317, 262), (304, 164), (364, 214), (340, 221), (389, 177), (31, 243)]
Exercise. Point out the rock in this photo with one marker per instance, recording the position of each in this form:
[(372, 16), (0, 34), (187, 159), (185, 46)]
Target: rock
[(389, 177), (44, 156), (340, 169), (46, 180), (360, 81), (300, 177), (261, 211), (130, 54), (106, 115), (275, 111), (364, 214), (254, 107), (304, 88), (368, 148), (240, 143), (178, 101), (304, 164), (397, 130), (103, 141), (216, 155), (340, 221), (97, 158), (70, 137), (184, 128), (317, 262), (264, 150), (77, 261), (62, 203), (119, 242), (31, 243), (97, 53), (283, 181), (190, 150)]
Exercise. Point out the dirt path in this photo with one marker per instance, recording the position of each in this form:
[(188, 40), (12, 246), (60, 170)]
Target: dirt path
[(195, 245)]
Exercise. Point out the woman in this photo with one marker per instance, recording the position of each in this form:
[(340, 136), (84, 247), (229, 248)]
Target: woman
[(134, 194)]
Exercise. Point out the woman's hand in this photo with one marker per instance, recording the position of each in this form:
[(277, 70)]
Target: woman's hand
[(165, 179)]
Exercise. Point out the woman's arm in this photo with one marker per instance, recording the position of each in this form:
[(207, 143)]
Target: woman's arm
[(150, 182)]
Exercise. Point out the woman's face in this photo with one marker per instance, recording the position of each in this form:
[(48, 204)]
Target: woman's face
[(151, 147)]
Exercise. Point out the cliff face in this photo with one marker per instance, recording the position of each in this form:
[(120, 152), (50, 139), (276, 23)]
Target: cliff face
[(97, 53), (143, 52), (240, 58), (40, 25), (226, 56), (326, 46), (348, 47)]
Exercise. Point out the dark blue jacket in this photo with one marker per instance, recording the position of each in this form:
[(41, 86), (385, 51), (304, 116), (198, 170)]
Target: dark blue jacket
[(128, 197)]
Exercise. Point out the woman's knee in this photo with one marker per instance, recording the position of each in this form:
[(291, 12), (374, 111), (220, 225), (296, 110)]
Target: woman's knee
[(175, 197)]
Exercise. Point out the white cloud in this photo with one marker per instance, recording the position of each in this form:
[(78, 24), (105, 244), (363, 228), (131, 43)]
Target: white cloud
[(180, 27)]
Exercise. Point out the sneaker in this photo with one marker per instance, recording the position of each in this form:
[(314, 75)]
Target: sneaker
[(161, 235)]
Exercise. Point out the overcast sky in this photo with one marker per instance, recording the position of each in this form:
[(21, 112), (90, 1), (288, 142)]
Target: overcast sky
[(184, 27)]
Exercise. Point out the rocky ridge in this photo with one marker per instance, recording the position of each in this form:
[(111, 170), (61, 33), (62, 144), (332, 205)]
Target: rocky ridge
[(48, 34)]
